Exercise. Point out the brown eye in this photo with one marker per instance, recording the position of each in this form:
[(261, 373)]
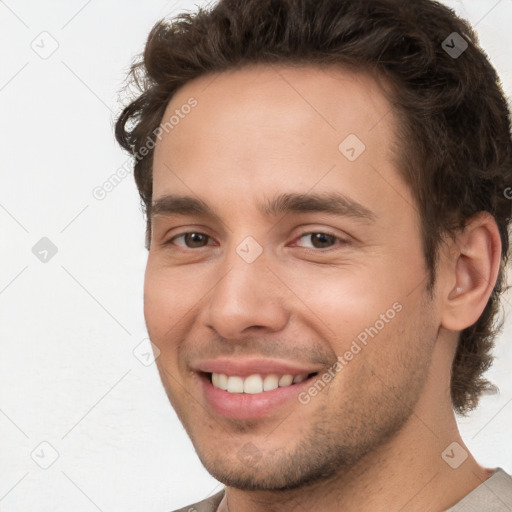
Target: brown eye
[(191, 240), (320, 240)]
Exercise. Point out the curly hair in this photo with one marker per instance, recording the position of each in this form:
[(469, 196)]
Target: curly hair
[(454, 133)]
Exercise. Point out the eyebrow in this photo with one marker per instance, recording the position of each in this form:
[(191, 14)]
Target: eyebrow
[(333, 203)]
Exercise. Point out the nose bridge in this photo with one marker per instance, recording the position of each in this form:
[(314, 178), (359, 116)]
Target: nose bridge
[(248, 294)]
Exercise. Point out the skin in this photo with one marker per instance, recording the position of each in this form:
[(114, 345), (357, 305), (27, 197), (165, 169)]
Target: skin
[(373, 438)]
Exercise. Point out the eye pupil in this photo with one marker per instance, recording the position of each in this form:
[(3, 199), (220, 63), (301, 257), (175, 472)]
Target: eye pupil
[(323, 238), (194, 238)]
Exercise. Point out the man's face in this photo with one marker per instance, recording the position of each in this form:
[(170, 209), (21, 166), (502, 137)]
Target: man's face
[(336, 298)]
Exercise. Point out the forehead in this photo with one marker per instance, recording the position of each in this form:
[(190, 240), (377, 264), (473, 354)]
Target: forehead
[(288, 82), (266, 127), (331, 99)]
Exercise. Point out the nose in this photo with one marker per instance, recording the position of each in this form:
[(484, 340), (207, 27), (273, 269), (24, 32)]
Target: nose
[(248, 298)]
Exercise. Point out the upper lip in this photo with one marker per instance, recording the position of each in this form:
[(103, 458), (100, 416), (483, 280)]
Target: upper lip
[(243, 367)]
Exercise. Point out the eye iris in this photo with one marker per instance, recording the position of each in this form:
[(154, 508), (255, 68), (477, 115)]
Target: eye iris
[(194, 239), (323, 239)]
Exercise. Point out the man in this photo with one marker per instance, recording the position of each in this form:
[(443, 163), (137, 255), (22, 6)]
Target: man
[(325, 188)]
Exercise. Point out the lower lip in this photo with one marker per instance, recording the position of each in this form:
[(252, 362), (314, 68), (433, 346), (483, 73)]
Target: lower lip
[(250, 406)]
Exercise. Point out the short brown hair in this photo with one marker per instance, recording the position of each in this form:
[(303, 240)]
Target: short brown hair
[(454, 133)]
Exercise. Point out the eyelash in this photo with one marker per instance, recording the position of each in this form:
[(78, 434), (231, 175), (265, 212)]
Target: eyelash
[(342, 241)]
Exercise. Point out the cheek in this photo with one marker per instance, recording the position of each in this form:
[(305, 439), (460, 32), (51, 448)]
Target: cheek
[(366, 313), (156, 303), (350, 298), (167, 299)]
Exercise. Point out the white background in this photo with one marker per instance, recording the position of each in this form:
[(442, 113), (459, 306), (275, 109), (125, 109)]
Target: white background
[(68, 327)]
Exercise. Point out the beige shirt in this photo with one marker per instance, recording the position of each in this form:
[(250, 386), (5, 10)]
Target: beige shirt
[(494, 495)]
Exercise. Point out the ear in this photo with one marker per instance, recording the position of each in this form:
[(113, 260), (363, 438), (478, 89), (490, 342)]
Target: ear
[(471, 271)]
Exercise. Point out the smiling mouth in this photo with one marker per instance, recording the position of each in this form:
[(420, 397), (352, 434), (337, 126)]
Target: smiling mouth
[(255, 383)]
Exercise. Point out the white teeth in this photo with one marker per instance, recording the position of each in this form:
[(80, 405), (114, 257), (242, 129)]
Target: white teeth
[(254, 383), (235, 385), (285, 380), (223, 381), (271, 382), (220, 380)]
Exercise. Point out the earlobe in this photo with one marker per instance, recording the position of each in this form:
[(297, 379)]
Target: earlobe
[(477, 253)]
